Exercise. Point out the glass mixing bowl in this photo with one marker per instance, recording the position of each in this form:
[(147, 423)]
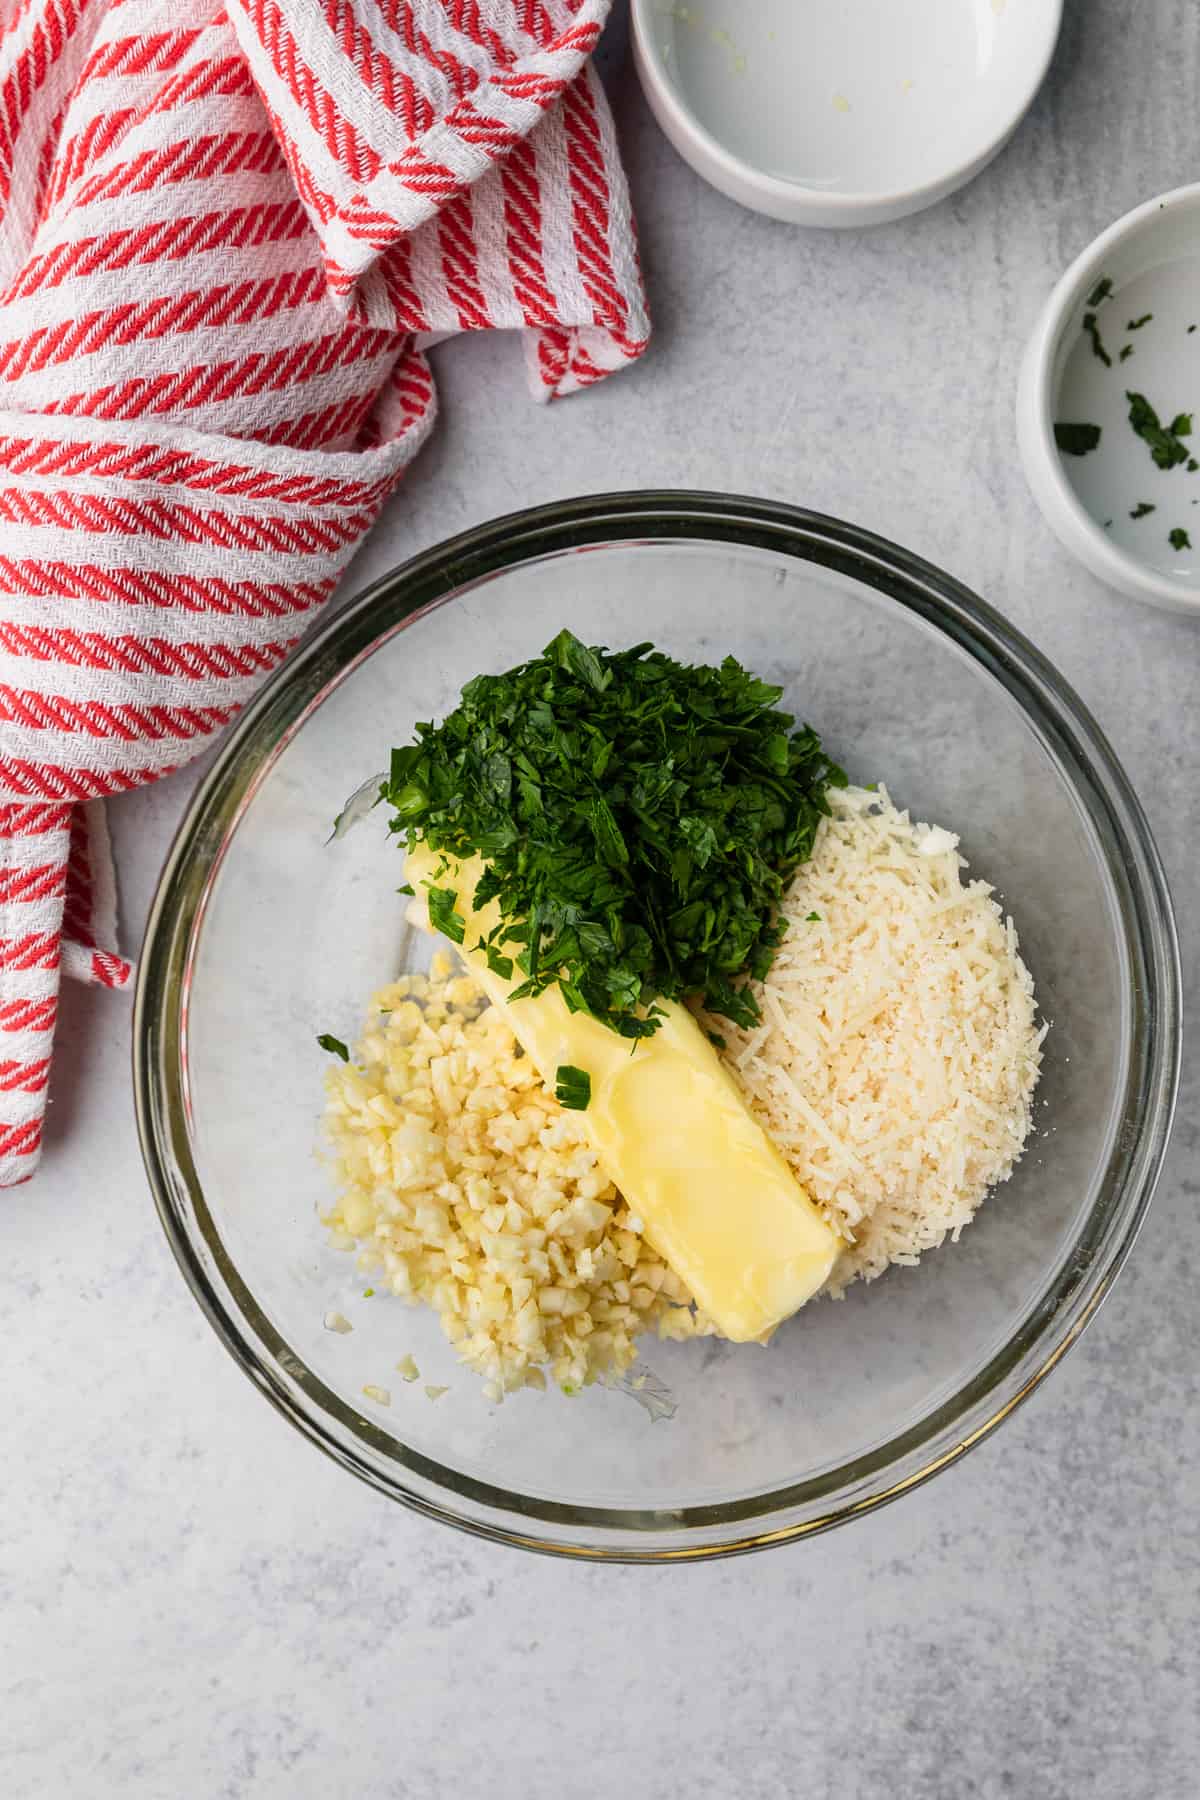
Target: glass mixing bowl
[(264, 933)]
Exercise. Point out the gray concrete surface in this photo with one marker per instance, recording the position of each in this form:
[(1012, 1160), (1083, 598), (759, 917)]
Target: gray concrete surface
[(194, 1604)]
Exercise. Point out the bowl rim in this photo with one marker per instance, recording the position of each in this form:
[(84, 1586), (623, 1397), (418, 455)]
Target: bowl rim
[(1074, 526), (1053, 1321), (833, 201)]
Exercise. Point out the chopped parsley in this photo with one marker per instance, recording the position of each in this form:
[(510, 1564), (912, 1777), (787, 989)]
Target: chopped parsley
[(1179, 539), (1136, 324), (1163, 441), (368, 1293), (334, 1045), (1076, 440), (442, 915), (499, 965), (1101, 291), (1126, 353), (1092, 330), (1191, 328), (1142, 510), (640, 821), (1193, 465), (572, 1087), (812, 918)]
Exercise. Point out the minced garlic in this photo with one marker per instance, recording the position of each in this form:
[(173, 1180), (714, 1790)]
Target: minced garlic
[(466, 1187)]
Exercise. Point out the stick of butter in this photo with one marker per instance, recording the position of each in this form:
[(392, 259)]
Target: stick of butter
[(670, 1128)]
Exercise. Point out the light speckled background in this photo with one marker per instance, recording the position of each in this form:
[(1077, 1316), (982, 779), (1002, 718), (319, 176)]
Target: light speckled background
[(194, 1604)]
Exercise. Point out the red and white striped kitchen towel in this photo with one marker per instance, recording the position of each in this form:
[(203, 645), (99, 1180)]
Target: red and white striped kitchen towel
[(222, 231)]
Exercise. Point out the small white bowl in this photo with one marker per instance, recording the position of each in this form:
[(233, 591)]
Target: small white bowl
[(841, 114), (1113, 507)]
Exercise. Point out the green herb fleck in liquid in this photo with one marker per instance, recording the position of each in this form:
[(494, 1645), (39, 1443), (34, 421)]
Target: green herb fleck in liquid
[(334, 1045), (1076, 440), (1142, 510), (1179, 539), (1100, 292), (1092, 330), (1163, 441), (1136, 324)]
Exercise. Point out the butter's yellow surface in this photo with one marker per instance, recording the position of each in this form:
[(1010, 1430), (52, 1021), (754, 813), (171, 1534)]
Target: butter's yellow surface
[(671, 1129)]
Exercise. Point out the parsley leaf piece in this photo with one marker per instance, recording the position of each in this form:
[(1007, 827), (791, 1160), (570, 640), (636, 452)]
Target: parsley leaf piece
[(1101, 291), (1162, 441), (1093, 332), (812, 918), (570, 654), (1126, 353), (499, 965), (334, 1045), (1179, 539), (1136, 324), (1076, 440), (572, 1087), (1142, 510), (442, 915)]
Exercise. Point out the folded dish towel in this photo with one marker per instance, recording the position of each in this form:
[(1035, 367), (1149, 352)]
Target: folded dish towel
[(223, 232)]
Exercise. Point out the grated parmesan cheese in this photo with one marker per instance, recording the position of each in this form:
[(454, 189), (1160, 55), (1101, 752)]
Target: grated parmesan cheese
[(898, 1050)]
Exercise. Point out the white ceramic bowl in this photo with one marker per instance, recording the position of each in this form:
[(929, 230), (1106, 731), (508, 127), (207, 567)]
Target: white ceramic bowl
[(846, 114), (1113, 507)]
